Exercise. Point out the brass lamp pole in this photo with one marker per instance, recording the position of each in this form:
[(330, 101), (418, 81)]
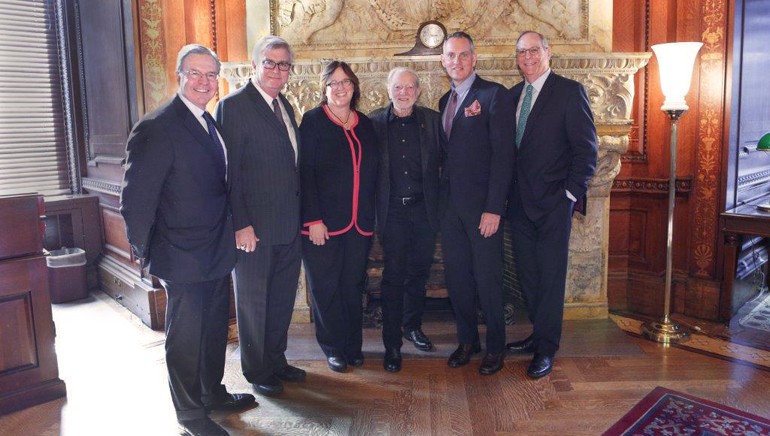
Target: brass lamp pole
[(675, 61)]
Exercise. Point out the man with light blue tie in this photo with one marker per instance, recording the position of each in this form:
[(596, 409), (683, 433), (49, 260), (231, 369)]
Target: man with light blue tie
[(556, 152)]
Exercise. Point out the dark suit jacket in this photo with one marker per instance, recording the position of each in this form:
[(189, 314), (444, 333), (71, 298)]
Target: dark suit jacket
[(263, 176), (431, 149), (479, 153), (174, 198), (559, 148), (328, 174)]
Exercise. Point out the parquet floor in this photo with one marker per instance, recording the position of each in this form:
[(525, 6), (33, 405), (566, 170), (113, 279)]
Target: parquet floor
[(115, 376)]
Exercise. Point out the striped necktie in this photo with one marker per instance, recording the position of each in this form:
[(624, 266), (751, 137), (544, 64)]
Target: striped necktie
[(526, 105)]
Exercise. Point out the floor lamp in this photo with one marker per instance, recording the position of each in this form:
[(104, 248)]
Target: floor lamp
[(675, 61)]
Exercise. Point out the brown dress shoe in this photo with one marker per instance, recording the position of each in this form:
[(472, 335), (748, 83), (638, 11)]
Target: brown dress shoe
[(462, 355), (491, 363)]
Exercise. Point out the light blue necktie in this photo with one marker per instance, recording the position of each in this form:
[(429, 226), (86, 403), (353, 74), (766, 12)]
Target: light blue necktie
[(526, 105)]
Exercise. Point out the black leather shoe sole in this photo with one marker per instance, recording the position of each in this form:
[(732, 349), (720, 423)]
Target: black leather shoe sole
[(270, 386), (525, 346), (462, 355), (233, 402), (290, 374), (337, 364), (541, 366), (491, 364)]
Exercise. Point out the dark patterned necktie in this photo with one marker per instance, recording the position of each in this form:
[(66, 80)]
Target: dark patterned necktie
[(215, 138), (277, 110), (449, 115), (526, 106)]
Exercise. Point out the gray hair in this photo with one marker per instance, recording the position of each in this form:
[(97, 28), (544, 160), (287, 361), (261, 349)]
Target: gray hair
[(398, 70), (270, 42), (190, 49), (462, 35), (543, 39)]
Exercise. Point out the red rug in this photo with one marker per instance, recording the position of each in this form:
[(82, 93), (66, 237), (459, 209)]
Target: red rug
[(667, 412)]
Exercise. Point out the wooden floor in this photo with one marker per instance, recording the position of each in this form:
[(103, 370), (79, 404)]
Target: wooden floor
[(115, 374)]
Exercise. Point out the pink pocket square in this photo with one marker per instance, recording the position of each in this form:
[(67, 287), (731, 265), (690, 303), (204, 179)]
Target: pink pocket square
[(474, 109)]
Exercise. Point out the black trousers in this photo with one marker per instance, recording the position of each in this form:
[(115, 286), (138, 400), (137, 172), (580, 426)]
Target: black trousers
[(335, 272), (473, 266), (196, 340), (265, 289), (541, 249), (408, 243)]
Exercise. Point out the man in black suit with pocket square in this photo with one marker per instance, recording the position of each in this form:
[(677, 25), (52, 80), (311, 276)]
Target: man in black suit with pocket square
[(174, 202), (556, 152), (263, 142), (478, 122)]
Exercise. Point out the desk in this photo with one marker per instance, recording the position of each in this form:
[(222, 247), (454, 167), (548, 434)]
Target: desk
[(742, 220)]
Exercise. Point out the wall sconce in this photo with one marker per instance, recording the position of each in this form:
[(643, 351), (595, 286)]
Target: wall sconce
[(675, 61)]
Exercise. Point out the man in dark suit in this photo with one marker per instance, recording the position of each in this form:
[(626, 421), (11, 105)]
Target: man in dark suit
[(555, 156), (409, 143), (174, 202), (263, 141), (479, 128)]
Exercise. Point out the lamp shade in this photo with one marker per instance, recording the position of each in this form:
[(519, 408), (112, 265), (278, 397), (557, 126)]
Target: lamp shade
[(764, 143), (675, 61)]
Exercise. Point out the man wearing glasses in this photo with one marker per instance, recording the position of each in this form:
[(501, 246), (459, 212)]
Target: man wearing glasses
[(556, 152), (174, 202), (263, 142), (478, 123)]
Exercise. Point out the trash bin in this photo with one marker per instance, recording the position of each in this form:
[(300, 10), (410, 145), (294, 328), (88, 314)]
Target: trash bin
[(67, 274)]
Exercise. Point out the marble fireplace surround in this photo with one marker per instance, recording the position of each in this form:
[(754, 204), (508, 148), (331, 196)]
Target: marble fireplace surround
[(609, 79)]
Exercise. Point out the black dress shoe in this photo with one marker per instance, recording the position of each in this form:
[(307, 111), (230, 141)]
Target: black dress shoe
[(232, 402), (392, 362), (418, 338), (524, 346), (290, 374), (491, 363), (337, 363), (356, 359), (541, 366), (269, 386), (201, 427), (462, 355)]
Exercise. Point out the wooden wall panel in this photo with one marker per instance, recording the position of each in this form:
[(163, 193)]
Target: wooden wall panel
[(18, 333), (641, 187)]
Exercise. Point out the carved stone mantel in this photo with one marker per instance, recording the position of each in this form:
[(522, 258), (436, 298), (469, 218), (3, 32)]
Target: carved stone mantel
[(609, 80)]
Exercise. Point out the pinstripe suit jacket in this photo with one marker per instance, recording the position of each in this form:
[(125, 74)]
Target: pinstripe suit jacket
[(262, 170)]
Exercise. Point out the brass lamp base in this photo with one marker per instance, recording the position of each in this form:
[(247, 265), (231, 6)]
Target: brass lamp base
[(665, 332)]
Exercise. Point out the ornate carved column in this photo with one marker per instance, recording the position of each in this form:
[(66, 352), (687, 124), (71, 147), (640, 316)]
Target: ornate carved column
[(609, 79)]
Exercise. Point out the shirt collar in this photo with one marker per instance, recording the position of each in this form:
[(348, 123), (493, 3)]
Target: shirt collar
[(392, 114), (265, 95), (540, 81), (198, 112), (465, 86)]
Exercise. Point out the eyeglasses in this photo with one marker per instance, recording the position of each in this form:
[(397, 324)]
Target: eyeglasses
[(534, 51), (344, 83), (407, 88), (197, 75), (461, 56), (270, 65)]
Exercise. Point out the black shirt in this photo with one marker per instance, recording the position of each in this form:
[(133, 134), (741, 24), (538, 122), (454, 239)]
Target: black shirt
[(404, 153)]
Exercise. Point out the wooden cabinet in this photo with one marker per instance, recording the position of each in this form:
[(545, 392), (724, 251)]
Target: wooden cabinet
[(29, 372)]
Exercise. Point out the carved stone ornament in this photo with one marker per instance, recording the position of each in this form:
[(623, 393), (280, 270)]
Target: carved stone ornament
[(609, 80)]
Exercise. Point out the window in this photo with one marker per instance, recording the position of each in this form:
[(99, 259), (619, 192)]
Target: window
[(33, 143)]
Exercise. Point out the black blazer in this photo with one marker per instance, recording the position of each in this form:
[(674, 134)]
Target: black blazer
[(559, 148), (263, 175), (174, 198), (479, 162), (329, 176), (431, 149)]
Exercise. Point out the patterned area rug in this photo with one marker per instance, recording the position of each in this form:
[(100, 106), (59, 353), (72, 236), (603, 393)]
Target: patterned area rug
[(667, 412), (759, 317)]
